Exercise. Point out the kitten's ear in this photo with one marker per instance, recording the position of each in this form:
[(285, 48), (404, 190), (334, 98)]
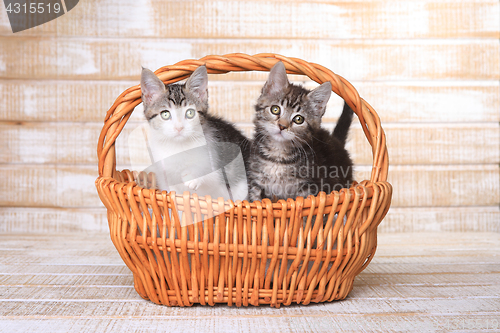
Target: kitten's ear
[(197, 83), (319, 97), (151, 86), (277, 81)]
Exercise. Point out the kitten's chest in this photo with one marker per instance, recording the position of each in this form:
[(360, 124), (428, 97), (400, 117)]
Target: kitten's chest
[(162, 151), (279, 180), (284, 174), (276, 171)]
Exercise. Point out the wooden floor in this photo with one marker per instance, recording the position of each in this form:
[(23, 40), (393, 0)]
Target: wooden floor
[(421, 282)]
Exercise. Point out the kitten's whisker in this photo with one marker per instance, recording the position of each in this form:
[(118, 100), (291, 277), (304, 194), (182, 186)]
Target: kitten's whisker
[(307, 143), (319, 139)]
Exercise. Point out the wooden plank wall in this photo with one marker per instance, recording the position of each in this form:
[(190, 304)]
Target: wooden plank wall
[(430, 68)]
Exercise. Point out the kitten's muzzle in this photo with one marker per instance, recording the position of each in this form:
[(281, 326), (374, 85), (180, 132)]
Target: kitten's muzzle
[(283, 124)]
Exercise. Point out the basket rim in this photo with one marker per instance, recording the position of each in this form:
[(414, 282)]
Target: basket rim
[(121, 110), (366, 191)]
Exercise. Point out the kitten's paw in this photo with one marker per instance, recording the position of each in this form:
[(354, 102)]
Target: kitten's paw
[(193, 184), (188, 179)]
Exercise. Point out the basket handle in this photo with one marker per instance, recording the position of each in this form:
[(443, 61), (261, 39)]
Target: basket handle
[(121, 110)]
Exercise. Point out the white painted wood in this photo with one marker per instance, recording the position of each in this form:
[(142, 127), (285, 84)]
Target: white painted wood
[(430, 279), (68, 280), (77, 292), (373, 276), (49, 220), (395, 59), (248, 323), (412, 219), (75, 143), (433, 101), (48, 186), (438, 186), (275, 19), (410, 101), (29, 100), (271, 323), (431, 69), (416, 282), (114, 267), (433, 186), (441, 219)]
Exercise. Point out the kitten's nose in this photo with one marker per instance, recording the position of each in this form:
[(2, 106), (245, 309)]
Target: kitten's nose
[(282, 127), (179, 128)]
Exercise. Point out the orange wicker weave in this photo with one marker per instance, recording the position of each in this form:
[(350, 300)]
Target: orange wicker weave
[(243, 253)]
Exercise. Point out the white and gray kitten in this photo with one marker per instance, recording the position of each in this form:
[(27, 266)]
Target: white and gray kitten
[(192, 150), (292, 155)]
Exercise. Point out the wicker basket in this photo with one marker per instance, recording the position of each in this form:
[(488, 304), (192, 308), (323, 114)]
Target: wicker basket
[(243, 253)]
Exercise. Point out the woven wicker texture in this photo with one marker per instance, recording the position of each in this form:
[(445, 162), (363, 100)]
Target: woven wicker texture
[(243, 253)]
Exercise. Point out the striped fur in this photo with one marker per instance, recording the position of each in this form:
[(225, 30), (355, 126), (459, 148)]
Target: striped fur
[(290, 159), (201, 152)]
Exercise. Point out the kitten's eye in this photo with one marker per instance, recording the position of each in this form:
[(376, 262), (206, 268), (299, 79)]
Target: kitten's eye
[(190, 113), (275, 109), (165, 115), (298, 119)]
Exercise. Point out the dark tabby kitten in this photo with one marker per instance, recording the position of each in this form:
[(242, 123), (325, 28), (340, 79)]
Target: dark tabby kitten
[(192, 150), (292, 155)]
